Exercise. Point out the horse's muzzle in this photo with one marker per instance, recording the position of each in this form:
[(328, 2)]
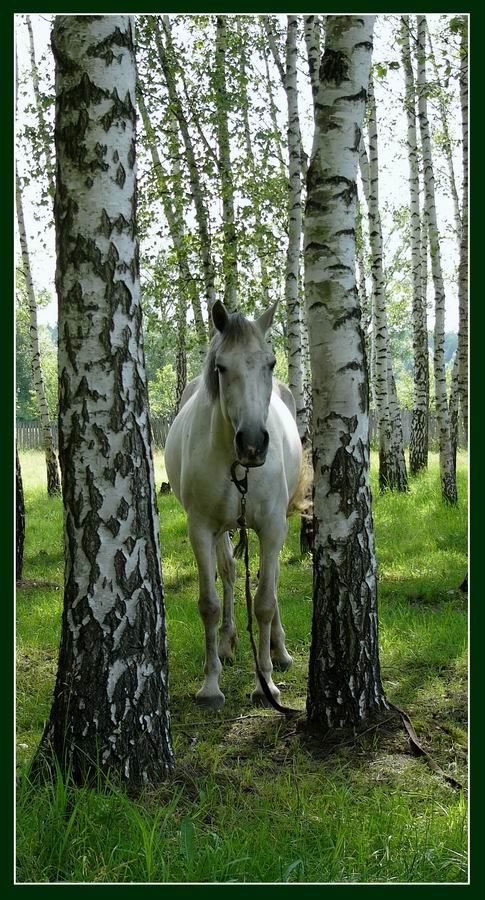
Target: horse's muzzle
[(252, 449)]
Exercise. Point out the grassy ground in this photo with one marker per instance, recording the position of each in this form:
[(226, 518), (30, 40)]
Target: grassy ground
[(251, 799)]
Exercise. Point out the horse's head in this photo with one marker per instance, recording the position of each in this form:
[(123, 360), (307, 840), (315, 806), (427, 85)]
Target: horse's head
[(239, 370)]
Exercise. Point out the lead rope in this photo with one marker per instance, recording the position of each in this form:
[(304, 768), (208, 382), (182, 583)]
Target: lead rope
[(243, 547)]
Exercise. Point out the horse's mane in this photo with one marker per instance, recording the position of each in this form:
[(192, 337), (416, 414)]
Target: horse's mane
[(238, 328)]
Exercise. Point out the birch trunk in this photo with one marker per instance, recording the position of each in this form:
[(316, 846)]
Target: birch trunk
[(19, 519), (447, 149), (463, 265), (292, 272), (454, 408), (392, 467), (46, 137), (312, 41), (229, 248), (176, 226), (345, 684), (418, 447), (447, 474), (181, 354), (53, 484), (166, 57), (110, 708), (268, 27), (274, 119)]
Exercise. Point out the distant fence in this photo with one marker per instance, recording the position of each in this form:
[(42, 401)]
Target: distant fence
[(29, 434)]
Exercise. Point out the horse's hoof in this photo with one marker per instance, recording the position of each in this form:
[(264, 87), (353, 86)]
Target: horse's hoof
[(260, 699), (210, 701), (282, 665)]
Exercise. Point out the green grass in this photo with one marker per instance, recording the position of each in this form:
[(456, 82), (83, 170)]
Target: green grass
[(251, 799)]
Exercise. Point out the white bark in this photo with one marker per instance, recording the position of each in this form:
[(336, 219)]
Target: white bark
[(46, 145), (344, 678), (53, 484), (418, 450), (312, 41), (268, 27), (292, 273), (392, 468), (463, 266), (447, 474)]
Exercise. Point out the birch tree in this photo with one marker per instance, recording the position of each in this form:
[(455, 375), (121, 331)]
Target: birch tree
[(344, 684), (110, 707), (418, 448), (392, 467), (292, 274), (463, 264), (53, 483), (447, 473)]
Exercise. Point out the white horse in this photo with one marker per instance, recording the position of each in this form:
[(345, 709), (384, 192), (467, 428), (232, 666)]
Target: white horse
[(236, 410)]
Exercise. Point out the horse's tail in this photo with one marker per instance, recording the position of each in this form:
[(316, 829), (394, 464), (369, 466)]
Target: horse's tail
[(301, 499)]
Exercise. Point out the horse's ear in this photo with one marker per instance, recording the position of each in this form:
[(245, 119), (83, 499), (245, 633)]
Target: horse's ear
[(265, 321), (219, 315)]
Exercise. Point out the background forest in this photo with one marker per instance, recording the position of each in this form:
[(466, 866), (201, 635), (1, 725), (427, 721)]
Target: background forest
[(223, 177)]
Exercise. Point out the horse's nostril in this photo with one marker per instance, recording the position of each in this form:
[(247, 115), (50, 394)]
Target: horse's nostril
[(240, 440)]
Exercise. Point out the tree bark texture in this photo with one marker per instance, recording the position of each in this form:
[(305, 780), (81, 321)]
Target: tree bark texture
[(53, 483), (229, 247), (463, 264), (292, 271), (110, 708), (418, 448), (392, 467), (447, 474), (19, 520), (344, 684), (167, 56), (270, 35), (312, 41)]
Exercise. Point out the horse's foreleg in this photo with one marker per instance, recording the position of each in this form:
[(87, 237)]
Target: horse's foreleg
[(265, 606), (228, 638), (280, 657), (202, 542)]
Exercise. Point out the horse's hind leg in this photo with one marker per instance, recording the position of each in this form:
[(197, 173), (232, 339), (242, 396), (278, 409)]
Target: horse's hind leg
[(228, 639), (280, 657), (202, 542)]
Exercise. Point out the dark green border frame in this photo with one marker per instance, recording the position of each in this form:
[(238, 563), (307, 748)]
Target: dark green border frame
[(477, 438)]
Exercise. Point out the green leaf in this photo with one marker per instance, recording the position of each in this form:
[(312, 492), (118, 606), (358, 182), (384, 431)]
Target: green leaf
[(291, 868), (187, 839)]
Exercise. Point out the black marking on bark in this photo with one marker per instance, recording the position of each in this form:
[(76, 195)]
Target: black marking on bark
[(123, 508), (113, 525), (354, 366), (334, 66), (120, 176), (346, 317), (104, 49)]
